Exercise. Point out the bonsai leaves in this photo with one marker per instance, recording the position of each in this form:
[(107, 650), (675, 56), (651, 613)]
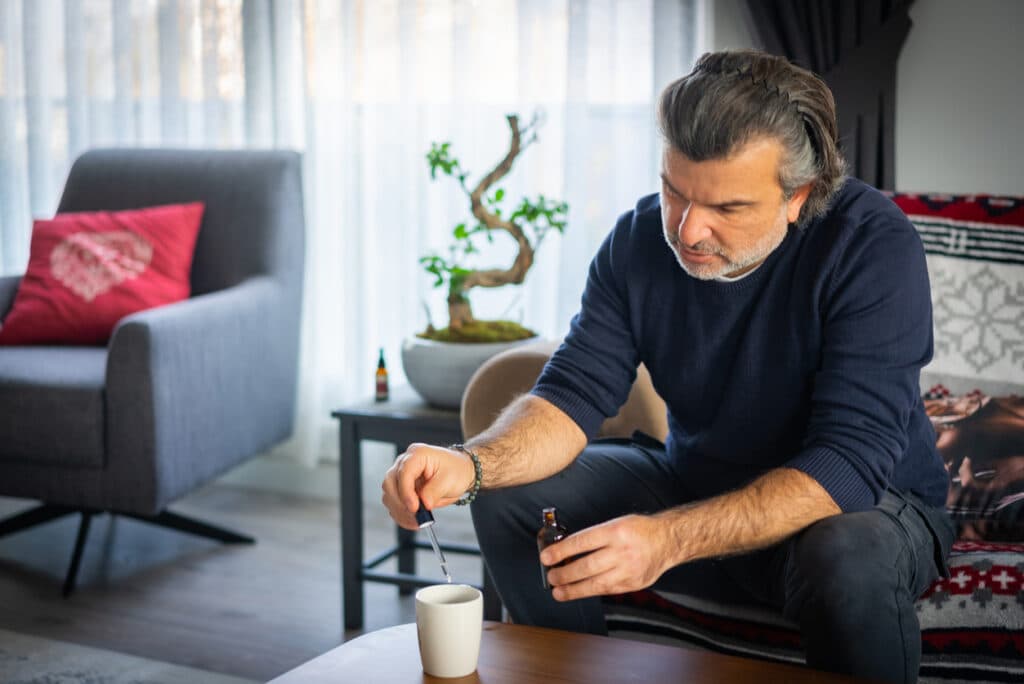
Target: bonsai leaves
[(541, 215)]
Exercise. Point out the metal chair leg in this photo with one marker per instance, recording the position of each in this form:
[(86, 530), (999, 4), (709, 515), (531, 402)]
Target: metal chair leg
[(76, 555), (47, 512), (34, 516), (183, 523)]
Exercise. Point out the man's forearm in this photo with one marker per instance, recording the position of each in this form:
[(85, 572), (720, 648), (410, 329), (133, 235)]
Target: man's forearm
[(532, 439), (771, 508)]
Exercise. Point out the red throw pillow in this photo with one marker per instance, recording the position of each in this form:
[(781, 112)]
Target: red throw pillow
[(88, 270)]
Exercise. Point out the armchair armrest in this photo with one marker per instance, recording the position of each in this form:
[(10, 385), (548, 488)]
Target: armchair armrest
[(8, 288), (505, 376), (197, 386)]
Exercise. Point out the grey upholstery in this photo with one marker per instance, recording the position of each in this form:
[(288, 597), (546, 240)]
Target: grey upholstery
[(39, 382), (182, 392), (8, 288)]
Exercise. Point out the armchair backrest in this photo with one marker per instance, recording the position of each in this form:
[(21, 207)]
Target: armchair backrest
[(513, 372), (253, 224)]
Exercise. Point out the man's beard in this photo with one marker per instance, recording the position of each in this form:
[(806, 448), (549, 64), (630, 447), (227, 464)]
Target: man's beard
[(726, 264)]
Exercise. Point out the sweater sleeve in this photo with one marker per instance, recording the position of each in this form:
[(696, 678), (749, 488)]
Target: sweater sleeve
[(591, 373), (877, 323)]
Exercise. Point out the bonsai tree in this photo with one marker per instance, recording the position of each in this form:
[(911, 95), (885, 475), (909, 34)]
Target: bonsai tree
[(527, 223)]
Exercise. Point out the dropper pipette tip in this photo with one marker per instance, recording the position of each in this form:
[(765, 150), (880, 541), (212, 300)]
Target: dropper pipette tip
[(426, 521)]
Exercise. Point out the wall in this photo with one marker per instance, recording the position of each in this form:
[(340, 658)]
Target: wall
[(959, 102), (730, 26)]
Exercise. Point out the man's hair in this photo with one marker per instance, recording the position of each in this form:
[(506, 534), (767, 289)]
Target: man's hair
[(731, 98)]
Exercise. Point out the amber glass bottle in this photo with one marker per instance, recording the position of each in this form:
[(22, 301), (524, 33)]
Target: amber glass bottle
[(551, 532), (382, 378)]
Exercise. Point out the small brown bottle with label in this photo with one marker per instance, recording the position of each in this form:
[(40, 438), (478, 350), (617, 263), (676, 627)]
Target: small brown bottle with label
[(550, 533), (382, 379)]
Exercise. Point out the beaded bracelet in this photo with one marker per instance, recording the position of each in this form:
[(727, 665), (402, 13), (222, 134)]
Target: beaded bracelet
[(475, 489)]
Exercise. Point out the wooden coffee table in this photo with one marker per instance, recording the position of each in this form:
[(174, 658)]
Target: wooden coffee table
[(514, 654)]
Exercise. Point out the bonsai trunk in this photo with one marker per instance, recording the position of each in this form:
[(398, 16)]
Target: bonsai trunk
[(459, 311)]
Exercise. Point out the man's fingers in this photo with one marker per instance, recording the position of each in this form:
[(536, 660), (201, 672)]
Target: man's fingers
[(395, 506), (405, 521), (409, 472), (601, 585), (584, 567), (584, 541)]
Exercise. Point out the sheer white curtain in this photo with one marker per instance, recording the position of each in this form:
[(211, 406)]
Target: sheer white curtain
[(361, 87)]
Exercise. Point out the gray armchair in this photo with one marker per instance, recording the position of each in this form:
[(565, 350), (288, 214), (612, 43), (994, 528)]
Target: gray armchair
[(182, 392)]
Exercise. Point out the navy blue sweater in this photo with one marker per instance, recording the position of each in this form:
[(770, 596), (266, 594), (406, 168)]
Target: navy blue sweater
[(811, 362)]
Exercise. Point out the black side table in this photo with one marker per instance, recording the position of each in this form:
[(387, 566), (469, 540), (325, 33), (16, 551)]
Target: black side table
[(403, 419)]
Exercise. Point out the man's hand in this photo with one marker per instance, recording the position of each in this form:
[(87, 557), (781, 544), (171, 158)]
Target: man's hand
[(434, 475), (632, 552), (621, 555)]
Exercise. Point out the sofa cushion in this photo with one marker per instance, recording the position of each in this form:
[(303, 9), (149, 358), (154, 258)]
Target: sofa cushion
[(87, 270), (51, 405), (977, 614)]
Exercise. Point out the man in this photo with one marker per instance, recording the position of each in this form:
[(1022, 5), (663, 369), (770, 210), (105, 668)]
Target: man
[(784, 314)]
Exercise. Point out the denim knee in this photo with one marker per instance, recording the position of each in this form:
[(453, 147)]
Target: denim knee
[(845, 567)]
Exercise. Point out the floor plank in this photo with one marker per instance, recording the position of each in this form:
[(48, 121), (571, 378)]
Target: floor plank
[(249, 611)]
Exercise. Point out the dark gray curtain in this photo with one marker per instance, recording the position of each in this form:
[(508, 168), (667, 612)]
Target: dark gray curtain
[(854, 45)]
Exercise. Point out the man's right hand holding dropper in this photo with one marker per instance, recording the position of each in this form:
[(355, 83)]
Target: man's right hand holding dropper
[(530, 440), (434, 475)]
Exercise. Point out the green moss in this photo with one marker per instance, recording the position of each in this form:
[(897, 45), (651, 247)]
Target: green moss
[(480, 332)]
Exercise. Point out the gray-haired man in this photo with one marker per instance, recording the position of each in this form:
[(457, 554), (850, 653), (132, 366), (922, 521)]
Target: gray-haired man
[(784, 313)]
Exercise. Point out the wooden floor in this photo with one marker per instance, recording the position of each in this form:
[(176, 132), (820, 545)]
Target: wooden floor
[(250, 611)]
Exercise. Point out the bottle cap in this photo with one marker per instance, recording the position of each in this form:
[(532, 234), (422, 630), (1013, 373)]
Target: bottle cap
[(424, 517)]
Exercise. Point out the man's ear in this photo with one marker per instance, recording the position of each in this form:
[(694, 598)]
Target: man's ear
[(795, 203)]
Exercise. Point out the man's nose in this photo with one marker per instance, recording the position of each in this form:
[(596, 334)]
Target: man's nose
[(693, 226)]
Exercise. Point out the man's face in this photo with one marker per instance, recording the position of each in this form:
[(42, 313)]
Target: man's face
[(725, 216)]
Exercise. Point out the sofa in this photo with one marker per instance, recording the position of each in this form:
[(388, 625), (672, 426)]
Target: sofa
[(972, 622)]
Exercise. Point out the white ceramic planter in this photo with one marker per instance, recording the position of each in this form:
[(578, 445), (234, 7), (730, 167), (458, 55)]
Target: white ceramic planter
[(440, 371)]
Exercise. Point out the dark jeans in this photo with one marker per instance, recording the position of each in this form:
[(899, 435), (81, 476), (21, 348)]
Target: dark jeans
[(848, 581)]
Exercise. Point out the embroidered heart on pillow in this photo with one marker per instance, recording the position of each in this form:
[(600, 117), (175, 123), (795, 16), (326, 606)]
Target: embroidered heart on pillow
[(88, 270), (89, 264)]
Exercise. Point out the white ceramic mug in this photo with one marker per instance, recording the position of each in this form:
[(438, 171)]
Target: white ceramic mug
[(449, 620)]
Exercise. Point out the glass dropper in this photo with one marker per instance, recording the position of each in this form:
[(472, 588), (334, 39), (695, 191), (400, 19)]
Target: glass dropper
[(426, 521)]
